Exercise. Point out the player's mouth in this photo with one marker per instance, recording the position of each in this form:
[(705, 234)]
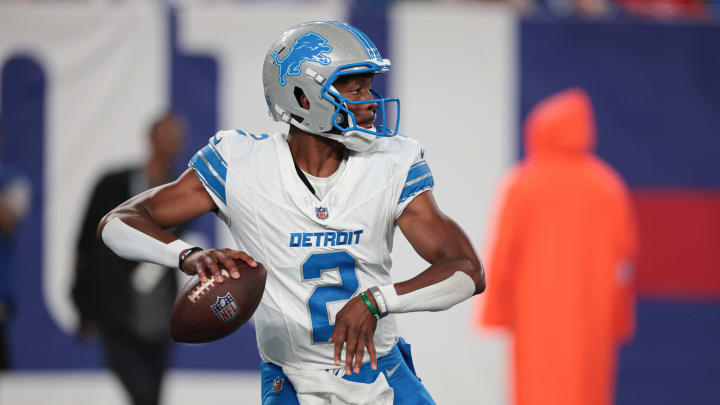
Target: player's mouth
[(368, 123)]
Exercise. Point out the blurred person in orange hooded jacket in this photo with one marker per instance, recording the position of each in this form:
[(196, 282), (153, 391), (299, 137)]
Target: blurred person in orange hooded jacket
[(559, 275)]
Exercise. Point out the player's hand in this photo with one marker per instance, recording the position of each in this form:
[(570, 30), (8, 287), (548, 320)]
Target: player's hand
[(209, 263), (354, 328)]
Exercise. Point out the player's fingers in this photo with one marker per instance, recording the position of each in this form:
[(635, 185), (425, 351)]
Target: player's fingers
[(199, 269), (212, 266), (350, 346), (228, 263), (338, 337), (237, 254), (359, 353), (248, 259), (371, 350)]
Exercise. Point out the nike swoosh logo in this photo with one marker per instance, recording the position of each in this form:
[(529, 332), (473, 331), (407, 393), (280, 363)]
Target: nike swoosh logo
[(392, 370)]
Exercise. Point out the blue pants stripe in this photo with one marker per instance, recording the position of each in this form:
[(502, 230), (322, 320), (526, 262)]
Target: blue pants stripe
[(396, 365)]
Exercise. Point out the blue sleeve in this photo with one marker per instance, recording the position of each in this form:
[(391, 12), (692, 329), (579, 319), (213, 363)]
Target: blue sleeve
[(418, 180), (211, 168)]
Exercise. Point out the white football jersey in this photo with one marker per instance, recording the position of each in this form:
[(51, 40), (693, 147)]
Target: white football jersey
[(319, 253)]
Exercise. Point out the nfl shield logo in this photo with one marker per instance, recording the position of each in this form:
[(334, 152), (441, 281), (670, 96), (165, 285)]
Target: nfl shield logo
[(226, 308), (322, 213), (277, 384)]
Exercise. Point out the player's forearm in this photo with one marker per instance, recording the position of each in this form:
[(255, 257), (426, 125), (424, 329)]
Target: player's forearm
[(133, 244), (439, 287), (442, 271), (139, 217), (132, 233)]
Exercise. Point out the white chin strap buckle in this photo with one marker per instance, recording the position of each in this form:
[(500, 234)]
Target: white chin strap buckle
[(358, 141)]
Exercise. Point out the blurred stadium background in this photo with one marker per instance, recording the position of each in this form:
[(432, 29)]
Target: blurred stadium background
[(81, 80)]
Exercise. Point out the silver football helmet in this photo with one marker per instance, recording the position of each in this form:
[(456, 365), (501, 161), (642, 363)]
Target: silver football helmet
[(310, 57)]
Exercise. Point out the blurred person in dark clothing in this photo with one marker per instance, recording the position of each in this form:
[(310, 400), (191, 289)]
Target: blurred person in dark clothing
[(129, 303), (14, 204)]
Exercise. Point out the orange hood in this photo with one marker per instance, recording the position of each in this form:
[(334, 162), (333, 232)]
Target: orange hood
[(561, 125)]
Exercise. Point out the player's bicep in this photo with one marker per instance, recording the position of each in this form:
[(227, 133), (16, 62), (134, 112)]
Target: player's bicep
[(180, 201), (431, 233), (174, 203)]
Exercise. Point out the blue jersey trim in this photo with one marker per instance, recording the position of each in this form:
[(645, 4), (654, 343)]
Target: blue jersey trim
[(417, 170), (418, 179), (417, 187), (253, 136), (216, 164), (217, 153), (208, 177), (416, 164)]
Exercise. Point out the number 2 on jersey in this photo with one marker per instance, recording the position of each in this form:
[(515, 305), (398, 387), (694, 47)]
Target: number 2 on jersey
[(312, 269)]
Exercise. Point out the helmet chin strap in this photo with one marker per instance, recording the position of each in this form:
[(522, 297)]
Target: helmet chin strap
[(357, 141)]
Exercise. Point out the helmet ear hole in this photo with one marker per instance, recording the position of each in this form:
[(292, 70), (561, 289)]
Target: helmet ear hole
[(342, 119), (301, 98)]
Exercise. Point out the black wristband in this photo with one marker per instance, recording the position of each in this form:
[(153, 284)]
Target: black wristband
[(187, 254)]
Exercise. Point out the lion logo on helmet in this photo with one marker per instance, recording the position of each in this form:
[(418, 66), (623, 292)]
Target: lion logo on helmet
[(309, 47)]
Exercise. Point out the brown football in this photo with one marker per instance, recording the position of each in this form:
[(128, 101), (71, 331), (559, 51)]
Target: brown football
[(204, 312)]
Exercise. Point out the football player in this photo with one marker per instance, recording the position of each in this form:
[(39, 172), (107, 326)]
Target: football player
[(318, 205)]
